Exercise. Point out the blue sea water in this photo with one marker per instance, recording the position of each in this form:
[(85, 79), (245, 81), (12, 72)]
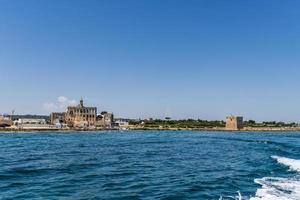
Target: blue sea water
[(150, 165)]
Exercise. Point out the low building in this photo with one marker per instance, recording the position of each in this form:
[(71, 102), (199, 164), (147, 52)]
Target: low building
[(32, 124), (57, 118), (30, 121), (105, 120), (5, 121), (234, 123), (121, 123)]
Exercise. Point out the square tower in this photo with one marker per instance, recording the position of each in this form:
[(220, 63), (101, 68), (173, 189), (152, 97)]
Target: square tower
[(234, 123)]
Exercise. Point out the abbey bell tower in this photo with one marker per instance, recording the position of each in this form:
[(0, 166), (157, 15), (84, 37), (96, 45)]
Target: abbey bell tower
[(81, 102)]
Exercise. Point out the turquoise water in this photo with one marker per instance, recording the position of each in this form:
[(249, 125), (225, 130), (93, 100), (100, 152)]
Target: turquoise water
[(150, 165)]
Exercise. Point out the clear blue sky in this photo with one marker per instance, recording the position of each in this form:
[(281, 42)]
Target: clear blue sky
[(153, 58)]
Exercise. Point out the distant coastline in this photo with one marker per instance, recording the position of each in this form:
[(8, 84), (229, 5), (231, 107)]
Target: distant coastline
[(87, 118), (216, 129)]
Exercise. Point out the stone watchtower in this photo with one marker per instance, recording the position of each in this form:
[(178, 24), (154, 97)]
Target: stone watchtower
[(234, 123)]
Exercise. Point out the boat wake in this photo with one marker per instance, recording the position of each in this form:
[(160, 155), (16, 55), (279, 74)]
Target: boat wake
[(275, 188), (293, 164)]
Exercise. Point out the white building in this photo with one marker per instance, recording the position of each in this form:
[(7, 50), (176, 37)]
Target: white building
[(31, 121), (32, 124), (121, 123)]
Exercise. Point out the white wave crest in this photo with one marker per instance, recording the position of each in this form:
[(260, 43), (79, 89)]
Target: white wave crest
[(278, 189), (291, 163), (275, 188)]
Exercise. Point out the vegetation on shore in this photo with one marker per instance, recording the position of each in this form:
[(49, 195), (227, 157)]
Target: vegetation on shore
[(198, 123), (252, 123), (185, 123)]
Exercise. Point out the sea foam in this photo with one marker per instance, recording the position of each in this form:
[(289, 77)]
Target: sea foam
[(275, 188), (291, 163)]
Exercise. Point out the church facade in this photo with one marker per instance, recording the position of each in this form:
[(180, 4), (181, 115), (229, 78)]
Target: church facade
[(81, 115)]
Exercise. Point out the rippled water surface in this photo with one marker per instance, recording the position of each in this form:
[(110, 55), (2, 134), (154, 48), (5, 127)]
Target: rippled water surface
[(150, 165)]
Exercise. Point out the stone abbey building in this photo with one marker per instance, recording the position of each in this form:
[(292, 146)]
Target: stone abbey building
[(76, 116), (81, 115)]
